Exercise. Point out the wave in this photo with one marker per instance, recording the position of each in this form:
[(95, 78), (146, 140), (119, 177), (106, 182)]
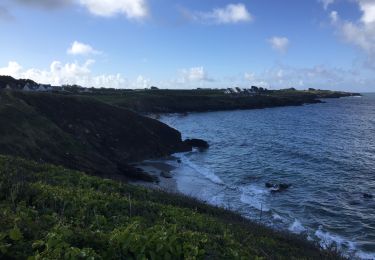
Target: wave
[(255, 196), (277, 217), (296, 227), (209, 174), (328, 240)]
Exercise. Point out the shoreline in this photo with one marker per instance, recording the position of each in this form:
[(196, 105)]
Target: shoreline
[(155, 168), (171, 166)]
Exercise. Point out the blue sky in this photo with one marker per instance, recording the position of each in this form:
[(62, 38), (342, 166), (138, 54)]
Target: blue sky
[(326, 44)]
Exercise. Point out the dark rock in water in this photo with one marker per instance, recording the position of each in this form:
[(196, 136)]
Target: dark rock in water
[(179, 161), (165, 175), (197, 143), (277, 187), (284, 186), (368, 196)]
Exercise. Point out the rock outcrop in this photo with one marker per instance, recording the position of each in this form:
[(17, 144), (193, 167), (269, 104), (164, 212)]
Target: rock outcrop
[(197, 143)]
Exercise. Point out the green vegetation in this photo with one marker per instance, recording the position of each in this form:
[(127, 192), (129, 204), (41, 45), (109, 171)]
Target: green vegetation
[(181, 101), (49, 212), (81, 133)]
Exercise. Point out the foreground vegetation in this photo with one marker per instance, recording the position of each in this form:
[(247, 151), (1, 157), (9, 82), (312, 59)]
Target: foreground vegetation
[(49, 212)]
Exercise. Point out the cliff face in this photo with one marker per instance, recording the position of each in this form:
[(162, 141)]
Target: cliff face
[(81, 133)]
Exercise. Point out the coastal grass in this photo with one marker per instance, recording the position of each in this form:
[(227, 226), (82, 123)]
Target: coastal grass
[(49, 212), (81, 133), (201, 100)]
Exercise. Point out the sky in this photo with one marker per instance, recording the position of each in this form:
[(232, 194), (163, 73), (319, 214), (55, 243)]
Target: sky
[(327, 44)]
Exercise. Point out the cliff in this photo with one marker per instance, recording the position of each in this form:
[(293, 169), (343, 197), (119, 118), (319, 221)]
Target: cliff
[(81, 133)]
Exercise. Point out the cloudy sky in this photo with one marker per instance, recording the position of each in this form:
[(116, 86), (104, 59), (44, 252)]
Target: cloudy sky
[(326, 44)]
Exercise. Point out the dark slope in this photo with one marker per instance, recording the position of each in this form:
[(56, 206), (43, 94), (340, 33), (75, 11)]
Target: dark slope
[(80, 133), (10, 82)]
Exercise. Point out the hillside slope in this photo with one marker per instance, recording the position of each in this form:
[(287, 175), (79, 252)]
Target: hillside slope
[(81, 133), (49, 212)]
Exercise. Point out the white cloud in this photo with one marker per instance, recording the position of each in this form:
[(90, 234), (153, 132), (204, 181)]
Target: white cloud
[(360, 33), (334, 17), (79, 48), (326, 3), (230, 14), (133, 9), (73, 73), (320, 76), (368, 9), (13, 68), (194, 74), (279, 44), (249, 76), (280, 76)]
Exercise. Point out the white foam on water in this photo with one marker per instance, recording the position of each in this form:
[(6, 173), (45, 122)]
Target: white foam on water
[(365, 256), (217, 200), (297, 227), (209, 174), (327, 240), (277, 217), (255, 196)]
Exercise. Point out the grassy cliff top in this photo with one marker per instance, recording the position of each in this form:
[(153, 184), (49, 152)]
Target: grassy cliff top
[(81, 133), (49, 212), (202, 100)]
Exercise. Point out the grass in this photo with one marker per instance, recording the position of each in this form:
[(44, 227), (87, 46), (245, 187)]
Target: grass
[(181, 101), (49, 212), (81, 133)]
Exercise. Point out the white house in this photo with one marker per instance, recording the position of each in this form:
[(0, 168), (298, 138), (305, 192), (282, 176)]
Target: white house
[(27, 87), (41, 89)]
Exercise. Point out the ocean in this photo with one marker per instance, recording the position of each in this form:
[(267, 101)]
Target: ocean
[(326, 152)]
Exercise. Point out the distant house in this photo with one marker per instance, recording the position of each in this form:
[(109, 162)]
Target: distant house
[(84, 90), (233, 91), (41, 88), (27, 87), (8, 87)]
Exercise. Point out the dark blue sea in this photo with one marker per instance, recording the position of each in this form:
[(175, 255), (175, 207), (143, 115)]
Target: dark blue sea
[(325, 151)]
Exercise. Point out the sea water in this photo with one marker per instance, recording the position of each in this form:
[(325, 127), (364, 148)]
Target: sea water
[(325, 151)]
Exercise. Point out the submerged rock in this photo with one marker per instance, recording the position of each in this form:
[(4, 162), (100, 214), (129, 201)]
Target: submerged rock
[(165, 174), (197, 143), (368, 196), (277, 187)]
